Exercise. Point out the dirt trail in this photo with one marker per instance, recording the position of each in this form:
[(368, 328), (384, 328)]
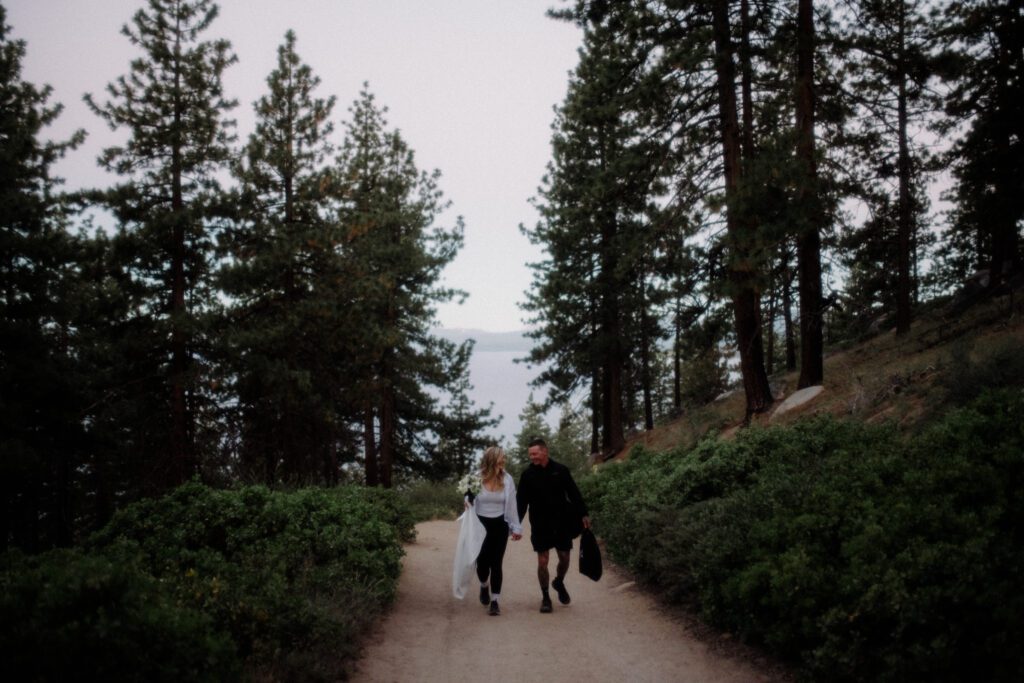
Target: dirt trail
[(610, 632)]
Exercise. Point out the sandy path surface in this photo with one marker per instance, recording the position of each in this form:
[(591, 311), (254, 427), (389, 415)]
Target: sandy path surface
[(610, 631)]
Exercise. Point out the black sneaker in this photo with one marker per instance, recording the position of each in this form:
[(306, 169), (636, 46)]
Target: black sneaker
[(545, 605), (494, 611), (485, 595), (563, 595)]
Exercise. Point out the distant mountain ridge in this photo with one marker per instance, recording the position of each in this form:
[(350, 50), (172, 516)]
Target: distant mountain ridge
[(488, 341)]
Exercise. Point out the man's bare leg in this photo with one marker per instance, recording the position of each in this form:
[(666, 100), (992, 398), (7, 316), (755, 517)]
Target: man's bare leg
[(542, 570), (558, 584), (542, 577), (563, 564)]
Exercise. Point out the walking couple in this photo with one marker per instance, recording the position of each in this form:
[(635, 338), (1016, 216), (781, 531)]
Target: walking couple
[(557, 515)]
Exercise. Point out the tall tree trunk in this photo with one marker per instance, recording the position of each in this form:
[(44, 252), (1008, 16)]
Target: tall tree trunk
[(746, 82), (645, 358), (7, 506), (677, 362), (809, 236), (61, 509), (609, 332), (370, 448), (612, 433), (744, 297), (770, 324), (905, 228), (388, 427), (787, 311), (331, 461), (388, 417), (595, 410), (613, 436), (1005, 244), (181, 466)]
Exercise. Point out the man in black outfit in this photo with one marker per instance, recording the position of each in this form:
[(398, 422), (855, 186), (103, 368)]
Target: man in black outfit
[(557, 515)]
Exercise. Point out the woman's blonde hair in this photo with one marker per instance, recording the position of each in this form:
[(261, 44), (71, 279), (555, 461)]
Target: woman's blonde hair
[(490, 471)]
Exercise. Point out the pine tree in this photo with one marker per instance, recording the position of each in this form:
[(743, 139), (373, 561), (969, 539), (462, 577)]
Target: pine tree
[(983, 62), (888, 69), (284, 321), (40, 402), (172, 106), (460, 437), (808, 240), (593, 295), (394, 253), (742, 269)]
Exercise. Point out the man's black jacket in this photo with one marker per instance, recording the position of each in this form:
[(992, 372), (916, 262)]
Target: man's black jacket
[(553, 499)]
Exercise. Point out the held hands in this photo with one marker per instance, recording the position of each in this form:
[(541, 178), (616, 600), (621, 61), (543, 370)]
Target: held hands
[(516, 537)]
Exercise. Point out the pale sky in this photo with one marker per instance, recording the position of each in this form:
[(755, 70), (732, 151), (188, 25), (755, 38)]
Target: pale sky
[(470, 83)]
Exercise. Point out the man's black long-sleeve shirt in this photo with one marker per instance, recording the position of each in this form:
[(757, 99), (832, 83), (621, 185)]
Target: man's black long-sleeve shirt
[(553, 499)]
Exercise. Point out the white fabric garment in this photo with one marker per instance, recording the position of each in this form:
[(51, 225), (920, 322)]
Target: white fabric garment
[(467, 549)]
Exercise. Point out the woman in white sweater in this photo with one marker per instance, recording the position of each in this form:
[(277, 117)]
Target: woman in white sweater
[(495, 505)]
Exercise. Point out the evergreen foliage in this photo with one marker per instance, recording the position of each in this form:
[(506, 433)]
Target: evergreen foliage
[(277, 331), (204, 584), (172, 106), (783, 145), (393, 255), (890, 67), (600, 226), (274, 331), (285, 320), (40, 436), (856, 552), (982, 64)]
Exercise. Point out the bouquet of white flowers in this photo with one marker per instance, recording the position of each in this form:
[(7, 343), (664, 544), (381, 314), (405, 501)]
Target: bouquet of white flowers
[(470, 482)]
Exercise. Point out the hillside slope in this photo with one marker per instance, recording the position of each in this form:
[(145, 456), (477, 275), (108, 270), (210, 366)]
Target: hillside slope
[(883, 378)]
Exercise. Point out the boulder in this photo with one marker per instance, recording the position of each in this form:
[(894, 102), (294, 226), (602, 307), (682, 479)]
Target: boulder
[(797, 399)]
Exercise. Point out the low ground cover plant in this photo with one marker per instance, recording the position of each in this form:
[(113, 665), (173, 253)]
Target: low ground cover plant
[(860, 553), (246, 582)]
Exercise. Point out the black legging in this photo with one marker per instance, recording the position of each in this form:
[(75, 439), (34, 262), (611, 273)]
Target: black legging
[(492, 552)]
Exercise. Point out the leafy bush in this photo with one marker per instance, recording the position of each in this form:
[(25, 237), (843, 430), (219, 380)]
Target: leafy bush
[(969, 375), (202, 579), (69, 616), (863, 556), (291, 576), (432, 500)]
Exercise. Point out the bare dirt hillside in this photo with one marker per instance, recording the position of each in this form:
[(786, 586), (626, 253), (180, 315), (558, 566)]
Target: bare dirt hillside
[(880, 378), (610, 632)]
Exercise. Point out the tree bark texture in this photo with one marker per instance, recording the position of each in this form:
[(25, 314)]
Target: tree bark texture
[(905, 228), (181, 466), (809, 235), (1005, 243), (370, 445), (745, 300)]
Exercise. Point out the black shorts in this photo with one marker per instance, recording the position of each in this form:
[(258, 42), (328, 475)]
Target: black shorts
[(547, 541)]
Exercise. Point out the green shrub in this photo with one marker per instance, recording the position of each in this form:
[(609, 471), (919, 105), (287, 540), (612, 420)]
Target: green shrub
[(294, 577), (859, 554), (971, 374), (69, 616), (432, 500)]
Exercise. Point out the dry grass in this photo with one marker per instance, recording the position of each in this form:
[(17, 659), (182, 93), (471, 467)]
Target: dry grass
[(885, 378)]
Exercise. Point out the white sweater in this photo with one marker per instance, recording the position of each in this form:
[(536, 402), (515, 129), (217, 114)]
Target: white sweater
[(500, 504)]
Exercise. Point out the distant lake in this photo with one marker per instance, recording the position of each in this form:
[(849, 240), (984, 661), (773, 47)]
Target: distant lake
[(498, 379)]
